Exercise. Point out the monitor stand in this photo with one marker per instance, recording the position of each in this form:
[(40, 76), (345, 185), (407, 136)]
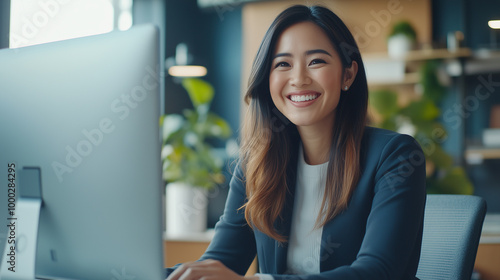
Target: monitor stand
[(22, 227)]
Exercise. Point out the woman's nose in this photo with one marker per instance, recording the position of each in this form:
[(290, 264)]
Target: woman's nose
[(300, 77)]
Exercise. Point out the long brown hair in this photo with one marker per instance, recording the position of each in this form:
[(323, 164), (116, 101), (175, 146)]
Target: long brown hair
[(268, 137)]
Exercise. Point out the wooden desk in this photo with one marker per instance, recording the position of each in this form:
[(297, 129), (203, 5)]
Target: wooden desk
[(190, 248), (179, 250), (488, 252), (488, 258)]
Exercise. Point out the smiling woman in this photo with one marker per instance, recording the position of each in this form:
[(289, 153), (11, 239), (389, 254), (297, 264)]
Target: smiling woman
[(34, 22), (316, 194)]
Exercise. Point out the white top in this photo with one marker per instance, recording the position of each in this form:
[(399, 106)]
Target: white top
[(305, 240), (304, 245)]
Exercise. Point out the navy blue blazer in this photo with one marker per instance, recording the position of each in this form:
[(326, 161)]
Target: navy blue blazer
[(378, 236)]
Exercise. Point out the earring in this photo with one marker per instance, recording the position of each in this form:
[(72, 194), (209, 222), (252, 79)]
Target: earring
[(346, 88)]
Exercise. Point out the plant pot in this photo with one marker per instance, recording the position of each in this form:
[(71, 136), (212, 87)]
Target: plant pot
[(399, 45), (186, 208)]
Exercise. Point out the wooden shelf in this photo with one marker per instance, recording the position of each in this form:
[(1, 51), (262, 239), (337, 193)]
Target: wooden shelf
[(409, 79), (420, 55), (383, 70), (476, 155)]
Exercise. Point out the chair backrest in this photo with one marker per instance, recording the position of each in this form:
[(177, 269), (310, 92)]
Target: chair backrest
[(452, 228)]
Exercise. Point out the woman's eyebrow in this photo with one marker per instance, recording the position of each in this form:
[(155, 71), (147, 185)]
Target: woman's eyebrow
[(310, 52), (318, 51), (281, 55)]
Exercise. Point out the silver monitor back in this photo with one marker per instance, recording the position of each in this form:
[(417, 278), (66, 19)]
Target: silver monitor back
[(85, 112)]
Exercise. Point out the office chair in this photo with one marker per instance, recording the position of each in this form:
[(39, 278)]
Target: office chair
[(452, 227)]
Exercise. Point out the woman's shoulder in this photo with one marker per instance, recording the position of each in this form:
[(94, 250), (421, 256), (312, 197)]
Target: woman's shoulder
[(382, 143), (379, 137)]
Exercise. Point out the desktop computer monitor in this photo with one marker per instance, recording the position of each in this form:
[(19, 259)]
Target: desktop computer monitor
[(82, 115)]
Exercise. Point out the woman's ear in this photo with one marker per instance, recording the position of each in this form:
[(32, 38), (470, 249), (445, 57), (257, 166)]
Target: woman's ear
[(350, 74)]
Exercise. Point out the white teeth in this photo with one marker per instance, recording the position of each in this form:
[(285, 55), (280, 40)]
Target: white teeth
[(301, 98)]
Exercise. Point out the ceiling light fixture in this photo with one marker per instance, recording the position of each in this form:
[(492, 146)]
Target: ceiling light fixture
[(179, 66), (494, 24)]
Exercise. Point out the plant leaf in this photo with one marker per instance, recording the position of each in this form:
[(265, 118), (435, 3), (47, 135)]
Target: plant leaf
[(404, 27), (171, 124), (200, 92), (437, 155), (455, 182), (385, 102), (187, 156), (218, 127), (432, 87), (423, 109)]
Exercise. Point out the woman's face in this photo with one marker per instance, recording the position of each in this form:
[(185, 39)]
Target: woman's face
[(306, 78)]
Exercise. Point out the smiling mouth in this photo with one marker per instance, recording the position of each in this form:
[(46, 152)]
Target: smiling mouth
[(303, 98)]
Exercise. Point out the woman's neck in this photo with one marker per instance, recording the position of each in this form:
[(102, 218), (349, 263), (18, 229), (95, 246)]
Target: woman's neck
[(316, 142)]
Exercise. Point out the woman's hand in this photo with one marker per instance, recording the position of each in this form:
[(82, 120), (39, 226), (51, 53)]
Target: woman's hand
[(205, 270)]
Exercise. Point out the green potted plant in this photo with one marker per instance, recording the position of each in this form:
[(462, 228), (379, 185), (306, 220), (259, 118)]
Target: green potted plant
[(419, 118), (191, 165), (402, 39)]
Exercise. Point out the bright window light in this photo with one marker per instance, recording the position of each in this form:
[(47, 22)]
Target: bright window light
[(40, 21), (495, 24), (124, 14)]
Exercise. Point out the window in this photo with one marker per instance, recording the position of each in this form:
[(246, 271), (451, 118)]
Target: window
[(40, 21)]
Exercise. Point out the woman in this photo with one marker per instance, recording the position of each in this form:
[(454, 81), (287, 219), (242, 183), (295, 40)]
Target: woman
[(316, 194)]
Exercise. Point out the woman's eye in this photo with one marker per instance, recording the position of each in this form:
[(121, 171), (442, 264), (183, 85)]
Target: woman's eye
[(281, 64), (317, 61)]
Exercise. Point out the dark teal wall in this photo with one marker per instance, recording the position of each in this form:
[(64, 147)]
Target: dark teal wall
[(226, 64), (214, 38), (447, 16), (478, 13), (4, 23), (470, 17), (184, 23)]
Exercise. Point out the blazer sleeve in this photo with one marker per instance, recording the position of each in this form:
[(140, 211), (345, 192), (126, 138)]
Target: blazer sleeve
[(394, 225), (233, 243)]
